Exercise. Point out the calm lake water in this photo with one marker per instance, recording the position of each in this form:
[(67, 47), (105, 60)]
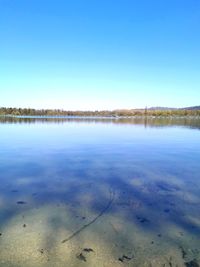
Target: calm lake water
[(99, 192)]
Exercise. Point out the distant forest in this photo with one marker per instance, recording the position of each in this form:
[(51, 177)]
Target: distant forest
[(105, 113)]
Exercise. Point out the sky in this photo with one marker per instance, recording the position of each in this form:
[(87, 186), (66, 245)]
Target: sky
[(99, 54)]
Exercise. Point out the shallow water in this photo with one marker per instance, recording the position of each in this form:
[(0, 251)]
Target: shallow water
[(99, 192)]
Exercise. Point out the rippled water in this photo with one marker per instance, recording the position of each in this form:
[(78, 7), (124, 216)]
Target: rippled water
[(99, 192)]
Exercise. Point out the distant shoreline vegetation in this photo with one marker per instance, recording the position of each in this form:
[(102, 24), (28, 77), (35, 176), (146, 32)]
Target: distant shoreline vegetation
[(157, 112)]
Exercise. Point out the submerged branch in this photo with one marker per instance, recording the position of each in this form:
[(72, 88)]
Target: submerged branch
[(112, 195)]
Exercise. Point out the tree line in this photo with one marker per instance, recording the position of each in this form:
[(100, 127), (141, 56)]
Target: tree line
[(4, 111)]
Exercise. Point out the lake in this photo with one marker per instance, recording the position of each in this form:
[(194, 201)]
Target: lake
[(99, 192)]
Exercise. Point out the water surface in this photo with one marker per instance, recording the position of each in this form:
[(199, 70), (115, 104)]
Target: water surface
[(99, 192)]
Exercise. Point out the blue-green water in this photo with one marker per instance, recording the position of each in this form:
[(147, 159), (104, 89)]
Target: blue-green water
[(99, 192)]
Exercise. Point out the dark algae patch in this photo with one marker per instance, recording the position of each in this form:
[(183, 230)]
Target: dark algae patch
[(41, 250), (183, 252), (21, 202), (125, 258), (142, 219), (88, 250), (81, 257), (166, 210), (167, 187), (192, 263)]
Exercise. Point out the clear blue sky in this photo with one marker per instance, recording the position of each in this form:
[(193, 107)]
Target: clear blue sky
[(99, 54)]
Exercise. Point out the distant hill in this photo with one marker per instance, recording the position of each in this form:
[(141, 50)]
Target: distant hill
[(167, 108), (161, 108), (191, 108)]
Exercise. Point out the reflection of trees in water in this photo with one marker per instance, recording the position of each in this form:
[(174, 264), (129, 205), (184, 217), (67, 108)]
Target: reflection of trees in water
[(147, 121)]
